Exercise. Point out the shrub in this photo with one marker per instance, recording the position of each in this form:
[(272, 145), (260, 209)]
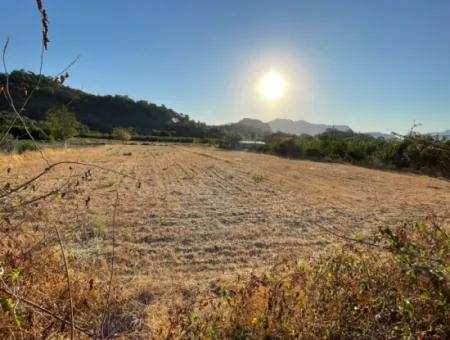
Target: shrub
[(398, 289), (121, 134), (313, 149), (38, 133), (7, 143), (288, 147), (229, 141), (357, 151), (24, 146), (335, 149)]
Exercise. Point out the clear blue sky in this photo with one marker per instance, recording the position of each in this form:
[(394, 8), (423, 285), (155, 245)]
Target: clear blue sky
[(374, 65)]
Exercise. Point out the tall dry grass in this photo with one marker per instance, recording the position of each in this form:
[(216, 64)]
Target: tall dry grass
[(399, 288)]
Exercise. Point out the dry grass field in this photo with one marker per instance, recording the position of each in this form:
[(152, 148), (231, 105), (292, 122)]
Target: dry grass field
[(194, 218)]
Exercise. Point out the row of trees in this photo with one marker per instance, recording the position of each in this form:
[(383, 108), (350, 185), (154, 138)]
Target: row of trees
[(414, 151), (60, 124)]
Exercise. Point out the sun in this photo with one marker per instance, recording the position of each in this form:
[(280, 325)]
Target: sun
[(272, 85)]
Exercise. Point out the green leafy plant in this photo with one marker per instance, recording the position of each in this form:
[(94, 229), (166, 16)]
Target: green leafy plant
[(7, 304)]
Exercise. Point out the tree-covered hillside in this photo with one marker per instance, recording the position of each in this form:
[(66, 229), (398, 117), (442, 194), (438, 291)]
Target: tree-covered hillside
[(100, 113), (247, 128)]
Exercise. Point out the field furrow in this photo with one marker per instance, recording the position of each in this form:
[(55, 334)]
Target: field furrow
[(201, 216)]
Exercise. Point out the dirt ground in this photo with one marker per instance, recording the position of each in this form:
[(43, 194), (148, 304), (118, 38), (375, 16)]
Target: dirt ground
[(193, 217)]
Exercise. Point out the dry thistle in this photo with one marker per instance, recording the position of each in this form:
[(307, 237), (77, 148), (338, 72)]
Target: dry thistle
[(44, 18)]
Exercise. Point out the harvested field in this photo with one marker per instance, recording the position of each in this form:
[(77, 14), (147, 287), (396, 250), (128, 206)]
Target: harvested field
[(201, 216)]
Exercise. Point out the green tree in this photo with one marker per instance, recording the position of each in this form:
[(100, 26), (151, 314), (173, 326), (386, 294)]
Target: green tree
[(121, 134), (229, 141), (63, 123)]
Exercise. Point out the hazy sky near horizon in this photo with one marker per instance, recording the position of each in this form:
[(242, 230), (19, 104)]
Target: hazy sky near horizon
[(373, 65)]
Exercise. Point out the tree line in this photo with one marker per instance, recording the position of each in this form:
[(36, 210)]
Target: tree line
[(422, 153)]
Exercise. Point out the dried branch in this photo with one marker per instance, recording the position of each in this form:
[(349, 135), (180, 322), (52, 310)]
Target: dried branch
[(6, 90), (68, 66), (35, 199), (51, 166), (351, 239), (44, 20), (11, 100), (108, 296), (69, 287)]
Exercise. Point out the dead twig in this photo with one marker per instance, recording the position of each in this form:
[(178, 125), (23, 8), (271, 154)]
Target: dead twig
[(69, 286), (108, 296), (68, 66), (51, 166), (35, 199), (11, 100)]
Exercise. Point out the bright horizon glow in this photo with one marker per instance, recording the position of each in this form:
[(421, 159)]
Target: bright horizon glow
[(272, 85)]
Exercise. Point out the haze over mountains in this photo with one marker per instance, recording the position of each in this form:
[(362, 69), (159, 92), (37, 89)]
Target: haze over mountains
[(299, 127), (445, 134), (302, 127)]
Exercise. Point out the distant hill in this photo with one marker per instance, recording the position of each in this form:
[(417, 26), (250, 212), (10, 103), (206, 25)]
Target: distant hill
[(441, 135), (255, 124), (445, 134), (302, 127), (249, 128), (101, 113)]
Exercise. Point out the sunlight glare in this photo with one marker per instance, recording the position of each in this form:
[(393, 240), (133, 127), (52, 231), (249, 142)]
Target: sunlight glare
[(272, 85)]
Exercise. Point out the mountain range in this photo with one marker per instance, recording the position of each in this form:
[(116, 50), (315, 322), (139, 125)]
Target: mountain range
[(302, 127), (445, 134), (257, 128)]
